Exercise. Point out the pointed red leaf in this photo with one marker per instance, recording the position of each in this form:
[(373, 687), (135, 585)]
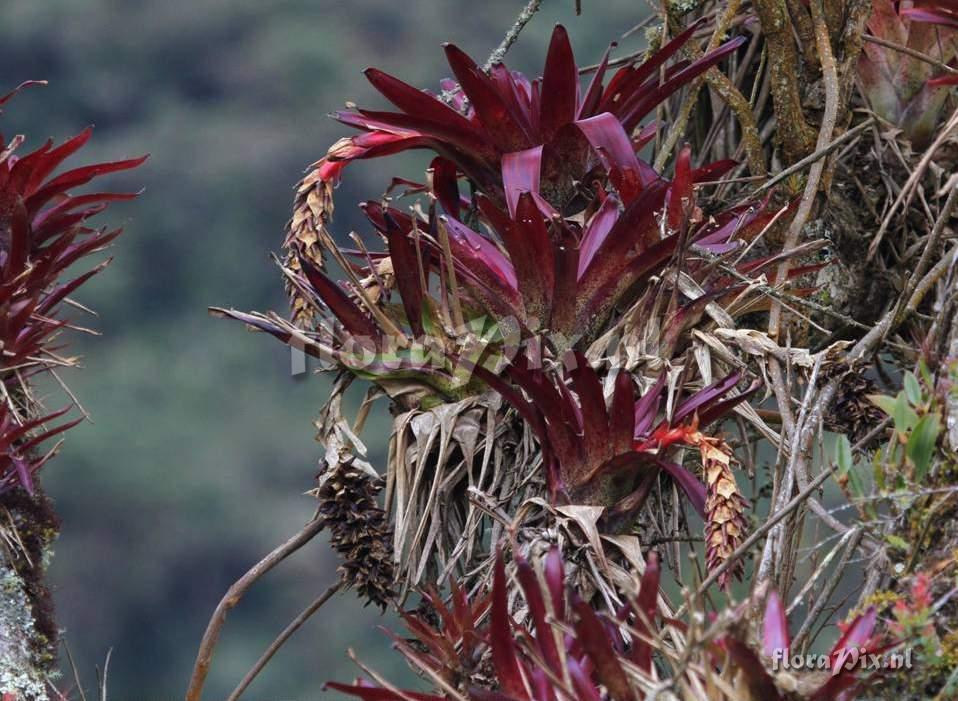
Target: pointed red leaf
[(371, 693), (646, 605), (416, 102), (445, 185), (689, 483), (596, 231), (705, 396), (645, 101), (74, 178), (520, 174), (405, 261), (496, 118), (545, 637), (597, 644), (622, 413), (531, 251), (560, 85), (681, 200), (354, 319), (775, 627), (614, 147), (593, 93), (504, 654)]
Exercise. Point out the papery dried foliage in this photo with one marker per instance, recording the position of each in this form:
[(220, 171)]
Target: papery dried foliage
[(440, 460)]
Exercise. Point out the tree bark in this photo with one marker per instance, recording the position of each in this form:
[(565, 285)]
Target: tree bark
[(28, 631)]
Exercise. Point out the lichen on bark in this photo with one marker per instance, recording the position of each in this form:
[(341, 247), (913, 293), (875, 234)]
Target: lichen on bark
[(28, 631)]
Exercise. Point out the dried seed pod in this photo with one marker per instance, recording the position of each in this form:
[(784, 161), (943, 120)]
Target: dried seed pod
[(358, 530), (852, 412)]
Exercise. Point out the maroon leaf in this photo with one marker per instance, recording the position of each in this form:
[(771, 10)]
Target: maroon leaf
[(597, 230), (372, 693), (705, 396), (555, 576), (858, 632), (531, 251), (520, 174), (680, 194), (75, 178), (497, 119), (689, 483), (612, 143), (545, 634), (560, 85), (581, 682), (775, 627), (644, 101), (353, 319), (931, 17), (594, 638), (445, 185), (417, 102), (406, 268), (594, 92), (627, 79), (504, 653), (757, 680), (646, 605), (622, 413)]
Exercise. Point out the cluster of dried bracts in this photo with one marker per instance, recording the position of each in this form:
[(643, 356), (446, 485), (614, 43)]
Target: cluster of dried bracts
[(567, 335)]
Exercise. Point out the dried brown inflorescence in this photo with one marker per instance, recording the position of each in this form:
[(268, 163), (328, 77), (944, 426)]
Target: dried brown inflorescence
[(358, 530)]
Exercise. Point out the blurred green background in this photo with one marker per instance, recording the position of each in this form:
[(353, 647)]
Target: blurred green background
[(201, 446)]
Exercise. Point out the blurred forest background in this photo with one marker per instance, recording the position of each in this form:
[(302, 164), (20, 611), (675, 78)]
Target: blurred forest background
[(201, 446)]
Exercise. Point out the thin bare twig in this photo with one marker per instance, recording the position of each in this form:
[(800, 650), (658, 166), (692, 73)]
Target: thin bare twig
[(204, 655), (908, 190), (911, 52), (811, 158), (510, 38), (281, 639)]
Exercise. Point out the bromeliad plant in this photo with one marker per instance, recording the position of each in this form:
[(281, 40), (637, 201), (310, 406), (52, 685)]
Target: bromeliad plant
[(542, 224), (535, 273), (611, 455), (564, 650), (44, 234), (505, 135), (904, 90)]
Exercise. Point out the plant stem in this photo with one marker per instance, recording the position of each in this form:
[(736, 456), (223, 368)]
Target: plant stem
[(510, 38), (281, 639), (204, 655)]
